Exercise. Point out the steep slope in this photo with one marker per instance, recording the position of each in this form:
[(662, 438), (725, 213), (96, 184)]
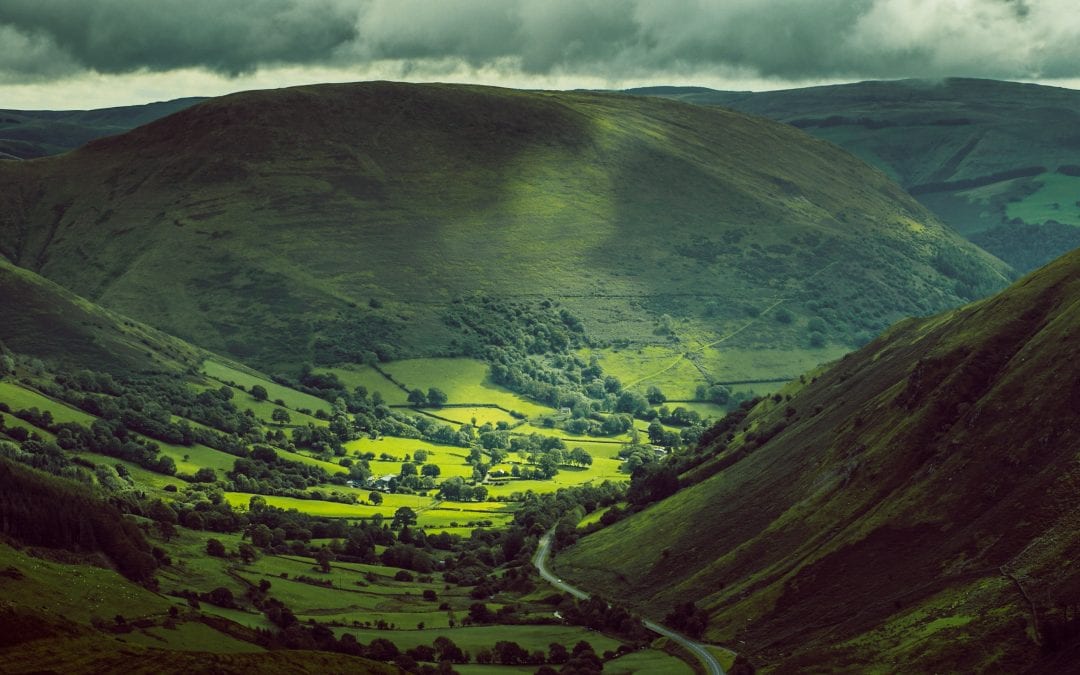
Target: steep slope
[(915, 506), (44, 320), (998, 161), (25, 134), (266, 223)]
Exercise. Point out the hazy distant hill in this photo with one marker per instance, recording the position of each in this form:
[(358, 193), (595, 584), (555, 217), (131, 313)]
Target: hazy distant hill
[(906, 508), (25, 134), (267, 223), (999, 161)]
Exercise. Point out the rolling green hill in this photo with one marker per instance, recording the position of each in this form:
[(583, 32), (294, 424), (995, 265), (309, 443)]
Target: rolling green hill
[(26, 134), (910, 509), (46, 321), (327, 222), (998, 161)]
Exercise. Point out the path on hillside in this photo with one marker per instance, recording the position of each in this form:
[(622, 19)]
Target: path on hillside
[(543, 550), (690, 354)]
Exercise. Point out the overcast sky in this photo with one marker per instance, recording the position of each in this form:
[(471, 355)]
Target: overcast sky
[(93, 53)]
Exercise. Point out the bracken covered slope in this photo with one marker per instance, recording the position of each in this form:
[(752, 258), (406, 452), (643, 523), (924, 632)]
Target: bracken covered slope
[(254, 223), (913, 508)]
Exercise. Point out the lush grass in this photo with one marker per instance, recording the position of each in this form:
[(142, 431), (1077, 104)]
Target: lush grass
[(190, 459), (449, 465), (198, 456), (602, 469), (463, 380), (292, 398), (477, 669), (354, 375), (475, 638), (389, 500), (446, 516), (706, 410), (304, 458), (730, 364), (193, 637), (19, 397), (427, 517), (77, 592), (399, 447), (651, 366), (264, 410), (1057, 198), (10, 421), (477, 416), (648, 661), (595, 516), (313, 506)]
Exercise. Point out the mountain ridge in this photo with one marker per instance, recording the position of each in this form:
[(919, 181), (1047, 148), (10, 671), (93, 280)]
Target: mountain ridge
[(993, 159), (891, 494)]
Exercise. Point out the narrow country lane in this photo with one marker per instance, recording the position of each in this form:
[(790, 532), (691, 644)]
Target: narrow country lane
[(540, 560)]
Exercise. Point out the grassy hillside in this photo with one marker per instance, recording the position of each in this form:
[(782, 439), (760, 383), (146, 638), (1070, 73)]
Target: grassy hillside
[(26, 134), (331, 223), (47, 321), (995, 160), (60, 617), (914, 500)]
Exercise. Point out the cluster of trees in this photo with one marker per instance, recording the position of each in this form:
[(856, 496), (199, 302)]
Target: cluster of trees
[(264, 472), (146, 404), (434, 397), (688, 618), (596, 613), (106, 437), (41, 510), (456, 490), (581, 659)]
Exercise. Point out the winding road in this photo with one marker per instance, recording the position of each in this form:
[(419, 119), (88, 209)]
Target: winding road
[(543, 550)]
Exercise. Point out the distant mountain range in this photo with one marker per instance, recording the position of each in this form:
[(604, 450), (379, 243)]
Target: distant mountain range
[(998, 161), (26, 134)]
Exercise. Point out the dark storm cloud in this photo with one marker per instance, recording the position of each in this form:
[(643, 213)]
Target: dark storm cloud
[(787, 39), (116, 36)]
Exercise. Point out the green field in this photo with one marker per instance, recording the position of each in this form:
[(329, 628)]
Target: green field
[(265, 409), (190, 459), (313, 506), (475, 638), (650, 366), (191, 636), (304, 458), (292, 398), (20, 398), (463, 380), (595, 516), (705, 410), (353, 375), (399, 447), (427, 517), (1057, 198), (477, 416), (648, 661), (11, 421), (79, 592)]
